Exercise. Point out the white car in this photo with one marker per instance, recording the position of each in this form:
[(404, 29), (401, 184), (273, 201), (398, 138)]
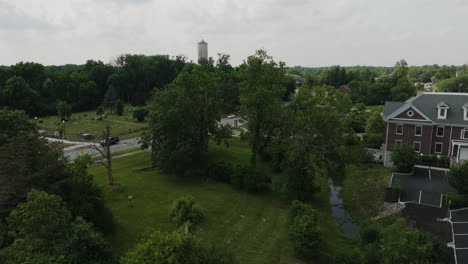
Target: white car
[(231, 116)]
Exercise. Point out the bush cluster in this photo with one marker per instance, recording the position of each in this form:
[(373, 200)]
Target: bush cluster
[(185, 210), (456, 200), (303, 229), (457, 177), (431, 160), (396, 186), (241, 176), (140, 114)]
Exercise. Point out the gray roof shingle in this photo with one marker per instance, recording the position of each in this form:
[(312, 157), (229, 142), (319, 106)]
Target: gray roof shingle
[(427, 104)]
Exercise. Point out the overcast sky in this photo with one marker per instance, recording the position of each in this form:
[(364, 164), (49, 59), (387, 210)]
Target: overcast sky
[(298, 32)]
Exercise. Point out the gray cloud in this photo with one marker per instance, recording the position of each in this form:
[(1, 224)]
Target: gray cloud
[(299, 32)]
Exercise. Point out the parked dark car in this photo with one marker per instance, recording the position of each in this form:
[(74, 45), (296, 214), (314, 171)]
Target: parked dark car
[(111, 141)]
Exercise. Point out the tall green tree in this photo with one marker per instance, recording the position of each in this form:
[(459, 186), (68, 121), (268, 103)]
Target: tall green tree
[(43, 231), (64, 110), (403, 244), (182, 120), (18, 94), (12, 123), (260, 96), (303, 144), (404, 158), (443, 73), (375, 129), (175, 248)]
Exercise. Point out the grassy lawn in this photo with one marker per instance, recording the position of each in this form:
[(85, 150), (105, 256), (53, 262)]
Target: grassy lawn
[(375, 107), (364, 191), (84, 122), (232, 217)]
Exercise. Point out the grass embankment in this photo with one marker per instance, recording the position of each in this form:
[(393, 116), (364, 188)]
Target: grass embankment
[(85, 123), (364, 191), (232, 217)]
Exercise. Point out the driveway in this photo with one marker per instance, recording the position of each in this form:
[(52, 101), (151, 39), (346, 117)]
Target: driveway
[(424, 186)]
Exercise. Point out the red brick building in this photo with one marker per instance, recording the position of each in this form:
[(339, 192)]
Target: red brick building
[(432, 123)]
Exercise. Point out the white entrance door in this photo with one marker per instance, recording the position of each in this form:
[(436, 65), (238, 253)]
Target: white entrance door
[(464, 153)]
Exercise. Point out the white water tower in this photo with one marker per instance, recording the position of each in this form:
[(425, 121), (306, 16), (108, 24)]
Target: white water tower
[(202, 50)]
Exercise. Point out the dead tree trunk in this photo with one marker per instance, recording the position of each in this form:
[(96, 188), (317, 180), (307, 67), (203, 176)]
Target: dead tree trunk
[(106, 153)]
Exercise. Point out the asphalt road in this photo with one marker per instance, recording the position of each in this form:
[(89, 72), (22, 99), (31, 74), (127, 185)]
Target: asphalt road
[(122, 145), (73, 152)]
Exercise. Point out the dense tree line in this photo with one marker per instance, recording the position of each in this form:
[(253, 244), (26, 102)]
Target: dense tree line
[(375, 85), (37, 89)]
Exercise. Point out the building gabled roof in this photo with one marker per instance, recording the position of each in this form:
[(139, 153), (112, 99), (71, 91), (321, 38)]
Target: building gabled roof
[(427, 104), (391, 107), (442, 104), (202, 42)]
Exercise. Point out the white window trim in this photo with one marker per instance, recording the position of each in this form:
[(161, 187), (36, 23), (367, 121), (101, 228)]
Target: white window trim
[(415, 131), (441, 147), (465, 114), (437, 130), (420, 145), (439, 116), (463, 133), (410, 113), (396, 129)]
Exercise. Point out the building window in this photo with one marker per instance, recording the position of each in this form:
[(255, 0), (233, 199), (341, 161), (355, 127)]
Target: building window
[(464, 134), (418, 131), (442, 113), (398, 143), (465, 112), (417, 146), (410, 113), (399, 129), (440, 131), (438, 148)]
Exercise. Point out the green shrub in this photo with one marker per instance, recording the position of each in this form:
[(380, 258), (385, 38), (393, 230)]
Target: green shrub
[(373, 140), (369, 234), (432, 160), (396, 186), (221, 171), (299, 208), (348, 256), (248, 178), (456, 201), (184, 209), (444, 161), (119, 108), (218, 255), (457, 176), (305, 235), (404, 158), (100, 110), (140, 114), (303, 229)]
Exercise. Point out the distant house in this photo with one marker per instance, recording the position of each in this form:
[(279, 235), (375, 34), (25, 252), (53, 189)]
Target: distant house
[(344, 89), (432, 123), (426, 85), (299, 80)]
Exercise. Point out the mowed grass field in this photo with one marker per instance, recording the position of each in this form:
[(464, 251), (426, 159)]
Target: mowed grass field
[(85, 123), (254, 226)]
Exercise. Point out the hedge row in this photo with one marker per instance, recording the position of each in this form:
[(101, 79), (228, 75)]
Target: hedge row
[(241, 176)]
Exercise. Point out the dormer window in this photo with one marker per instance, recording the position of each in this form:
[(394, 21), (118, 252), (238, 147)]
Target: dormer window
[(465, 112), (442, 110)]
